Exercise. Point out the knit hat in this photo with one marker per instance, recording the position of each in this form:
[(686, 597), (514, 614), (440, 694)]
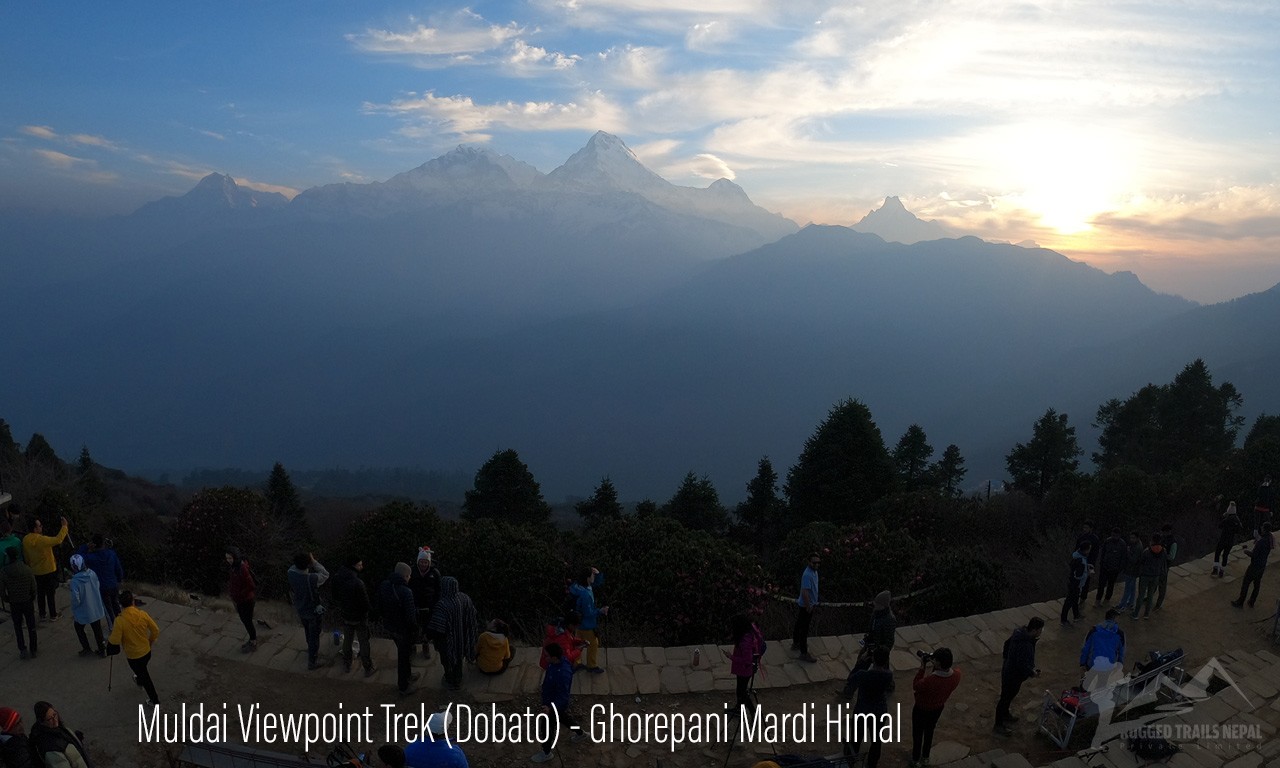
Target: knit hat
[(403, 570), (438, 722), (882, 600), (9, 717), (424, 554), (77, 563)]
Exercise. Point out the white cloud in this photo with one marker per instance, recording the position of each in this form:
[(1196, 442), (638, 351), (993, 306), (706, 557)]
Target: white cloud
[(706, 166), (432, 116), (89, 140), (462, 32), (529, 58), (708, 35), (632, 66), (39, 131), (653, 153), (288, 192), (59, 159)]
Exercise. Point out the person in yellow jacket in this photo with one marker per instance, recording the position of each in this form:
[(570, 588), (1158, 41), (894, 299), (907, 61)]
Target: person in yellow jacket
[(37, 550), (135, 631)]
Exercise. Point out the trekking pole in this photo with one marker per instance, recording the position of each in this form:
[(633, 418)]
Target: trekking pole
[(111, 665)]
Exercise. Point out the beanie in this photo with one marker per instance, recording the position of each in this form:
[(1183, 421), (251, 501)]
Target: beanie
[(9, 717), (403, 570), (424, 554), (77, 563), (882, 600)]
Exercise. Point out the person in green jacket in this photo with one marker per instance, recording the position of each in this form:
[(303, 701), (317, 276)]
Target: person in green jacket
[(19, 584)]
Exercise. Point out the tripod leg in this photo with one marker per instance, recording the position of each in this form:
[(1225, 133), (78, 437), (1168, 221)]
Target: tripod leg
[(111, 665)]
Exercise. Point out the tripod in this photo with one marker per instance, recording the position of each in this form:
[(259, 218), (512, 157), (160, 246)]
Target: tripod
[(754, 698)]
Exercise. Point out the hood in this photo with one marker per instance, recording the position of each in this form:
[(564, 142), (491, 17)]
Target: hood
[(448, 587)]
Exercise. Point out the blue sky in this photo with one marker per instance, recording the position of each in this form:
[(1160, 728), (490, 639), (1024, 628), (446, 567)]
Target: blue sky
[(1133, 135)]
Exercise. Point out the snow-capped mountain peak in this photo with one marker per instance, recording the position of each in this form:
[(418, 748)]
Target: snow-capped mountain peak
[(607, 162)]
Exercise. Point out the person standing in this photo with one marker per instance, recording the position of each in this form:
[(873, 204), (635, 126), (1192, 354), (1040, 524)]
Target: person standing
[(748, 645), (883, 634), (1170, 543), (583, 591), (1133, 562), (425, 584), (351, 597), (874, 685), (135, 631), (1077, 581), (1229, 528), (1087, 536), (1111, 561), (1150, 566), (454, 622), (20, 585), (87, 608), (105, 564), (1019, 666), (807, 603), (932, 689), (37, 549), (54, 743), (8, 540), (1257, 565), (400, 619), (244, 592), (1265, 505), (557, 685), (306, 576)]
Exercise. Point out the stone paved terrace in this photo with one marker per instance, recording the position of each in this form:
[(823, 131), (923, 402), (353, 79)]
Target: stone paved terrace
[(211, 634)]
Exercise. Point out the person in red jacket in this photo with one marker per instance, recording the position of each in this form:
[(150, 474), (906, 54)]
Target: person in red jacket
[(243, 593), (933, 688), (564, 634)]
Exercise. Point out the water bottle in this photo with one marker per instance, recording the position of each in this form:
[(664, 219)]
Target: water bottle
[(697, 656), (337, 637)]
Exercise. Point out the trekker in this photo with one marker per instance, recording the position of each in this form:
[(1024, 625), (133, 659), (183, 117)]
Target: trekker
[(1104, 643), (1077, 581), (807, 603), (744, 661), (306, 576), (583, 591), (8, 540), (557, 683), (424, 582), (438, 750), (453, 623), (105, 563), (883, 634), (874, 686), (1171, 556), (87, 608), (1257, 565), (1150, 566), (351, 597), (932, 689), (135, 631), (1229, 528), (54, 743), (15, 747), (1087, 536), (20, 585), (37, 550), (1130, 573), (565, 634), (400, 619), (493, 648), (1264, 506), (1019, 666), (244, 592), (1111, 561)]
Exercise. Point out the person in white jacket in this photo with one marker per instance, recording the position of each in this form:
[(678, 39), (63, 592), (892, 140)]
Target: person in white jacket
[(87, 607)]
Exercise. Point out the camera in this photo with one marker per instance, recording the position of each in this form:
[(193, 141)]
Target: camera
[(924, 656)]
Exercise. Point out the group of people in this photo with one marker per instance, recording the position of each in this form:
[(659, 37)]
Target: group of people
[(1142, 566), (49, 743)]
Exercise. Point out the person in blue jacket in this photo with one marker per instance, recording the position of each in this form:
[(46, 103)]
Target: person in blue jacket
[(437, 750), (105, 564), (1104, 641), (557, 683), (87, 608), (583, 590)]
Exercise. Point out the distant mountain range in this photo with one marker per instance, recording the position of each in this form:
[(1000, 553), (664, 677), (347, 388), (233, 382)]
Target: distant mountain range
[(596, 318)]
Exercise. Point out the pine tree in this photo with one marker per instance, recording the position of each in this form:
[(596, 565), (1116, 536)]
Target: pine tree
[(1048, 457), (505, 489), (843, 468), (603, 504), (696, 504), (911, 456)]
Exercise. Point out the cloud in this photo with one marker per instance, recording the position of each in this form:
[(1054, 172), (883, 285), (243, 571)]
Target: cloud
[(430, 115), (632, 66), (531, 59), (39, 131), (666, 15), (60, 160), (212, 134), (462, 32), (706, 166), (288, 192), (708, 35), (90, 141)]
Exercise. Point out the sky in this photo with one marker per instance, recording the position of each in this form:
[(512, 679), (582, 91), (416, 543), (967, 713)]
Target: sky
[(1138, 136)]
